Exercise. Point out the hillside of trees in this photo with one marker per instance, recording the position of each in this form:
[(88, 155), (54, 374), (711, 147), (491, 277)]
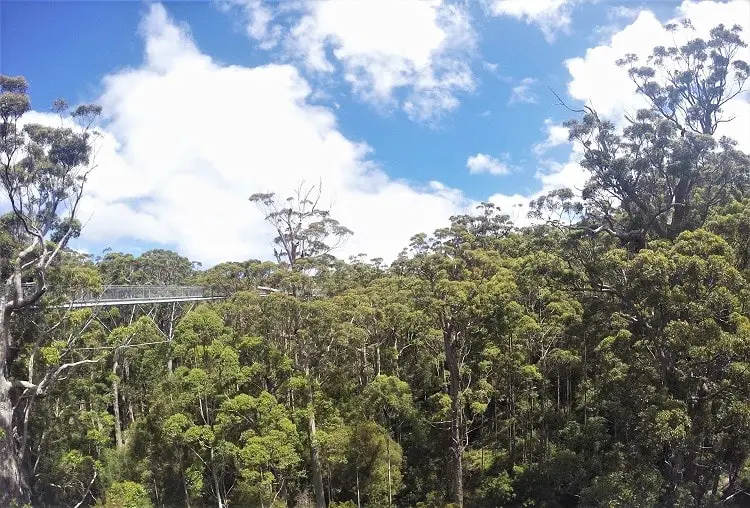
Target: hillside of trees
[(599, 357)]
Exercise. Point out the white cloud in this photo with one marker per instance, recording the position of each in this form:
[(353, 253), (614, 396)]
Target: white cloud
[(189, 140), (483, 163), (516, 206), (557, 135), (490, 67), (616, 15), (259, 21), (551, 175), (551, 16), (622, 12), (411, 54), (556, 175), (521, 93)]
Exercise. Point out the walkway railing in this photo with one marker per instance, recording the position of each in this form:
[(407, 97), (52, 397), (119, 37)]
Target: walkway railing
[(127, 294), (112, 295), (149, 293)]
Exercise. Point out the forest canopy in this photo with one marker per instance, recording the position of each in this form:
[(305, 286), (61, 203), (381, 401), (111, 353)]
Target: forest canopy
[(598, 357)]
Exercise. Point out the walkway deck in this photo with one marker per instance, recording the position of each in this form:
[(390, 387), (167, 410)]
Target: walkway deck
[(117, 295)]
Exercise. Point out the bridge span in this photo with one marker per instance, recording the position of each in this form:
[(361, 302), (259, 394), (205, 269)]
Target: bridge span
[(118, 295)]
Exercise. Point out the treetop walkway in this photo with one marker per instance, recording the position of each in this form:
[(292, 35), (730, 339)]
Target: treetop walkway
[(116, 295)]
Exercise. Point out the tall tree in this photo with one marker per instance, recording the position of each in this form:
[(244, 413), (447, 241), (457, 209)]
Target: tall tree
[(306, 234), (304, 228), (458, 279), (690, 84), (664, 172), (43, 171)]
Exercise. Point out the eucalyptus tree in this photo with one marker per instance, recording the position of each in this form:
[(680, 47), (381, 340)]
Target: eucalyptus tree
[(388, 399), (665, 172), (670, 387), (304, 227), (461, 281), (164, 267), (43, 171), (689, 84), (231, 277), (117, 268), (153, 267), (305, 235), (654, 185)]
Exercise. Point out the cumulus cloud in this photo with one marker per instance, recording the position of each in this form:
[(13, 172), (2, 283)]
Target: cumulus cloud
[(259, 24), (622, 12), (515, 206), (551, 175), (408, 53), (551, 16), (187, 140), (556, 175), (483, 163), (490, 67), (557, 135)]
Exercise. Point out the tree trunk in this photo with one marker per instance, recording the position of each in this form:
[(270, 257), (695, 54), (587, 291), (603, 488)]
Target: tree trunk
[(456, 445), (364, 378), (217, 486), (130, 412), (680, 213), (170, 336), (116, 405), (317, 475), (12, 482), (377, 352), (13, 487), (359, 504), (330, 486), (217, 482), (388, 452), (396, 357), (185, 488)]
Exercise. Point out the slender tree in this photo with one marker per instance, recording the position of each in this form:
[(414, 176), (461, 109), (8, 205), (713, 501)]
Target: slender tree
[(305, 232), (43, 171), (304, 228)]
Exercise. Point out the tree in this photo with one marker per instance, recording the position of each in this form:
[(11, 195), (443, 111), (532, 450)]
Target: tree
[(43, 171), (689, 85), (304, 229), (488, 365), (665, 172), (163, 267), (117, 268), (458, 281), (207, 371), (388, 399)]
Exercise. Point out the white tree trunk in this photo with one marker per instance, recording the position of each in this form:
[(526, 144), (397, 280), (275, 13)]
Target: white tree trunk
[(12, 481)]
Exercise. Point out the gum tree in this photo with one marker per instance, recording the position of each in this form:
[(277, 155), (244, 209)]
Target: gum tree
[(43, 172)]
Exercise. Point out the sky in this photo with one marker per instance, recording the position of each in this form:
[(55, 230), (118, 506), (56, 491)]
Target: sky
[(406, 111)]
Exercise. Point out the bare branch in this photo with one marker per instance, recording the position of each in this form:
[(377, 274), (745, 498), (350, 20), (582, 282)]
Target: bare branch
[(86, 494)]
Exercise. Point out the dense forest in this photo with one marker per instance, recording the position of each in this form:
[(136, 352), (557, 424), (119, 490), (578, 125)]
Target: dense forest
[(598, 357)]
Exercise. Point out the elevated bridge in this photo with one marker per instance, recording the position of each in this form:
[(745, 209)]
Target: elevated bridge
[(118, 295)]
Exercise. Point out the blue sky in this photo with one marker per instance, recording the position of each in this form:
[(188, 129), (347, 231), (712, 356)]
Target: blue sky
[(408, 110)]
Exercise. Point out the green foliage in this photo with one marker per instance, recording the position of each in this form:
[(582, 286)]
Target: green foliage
[(600, 357), (153, 267), (126, 495)]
